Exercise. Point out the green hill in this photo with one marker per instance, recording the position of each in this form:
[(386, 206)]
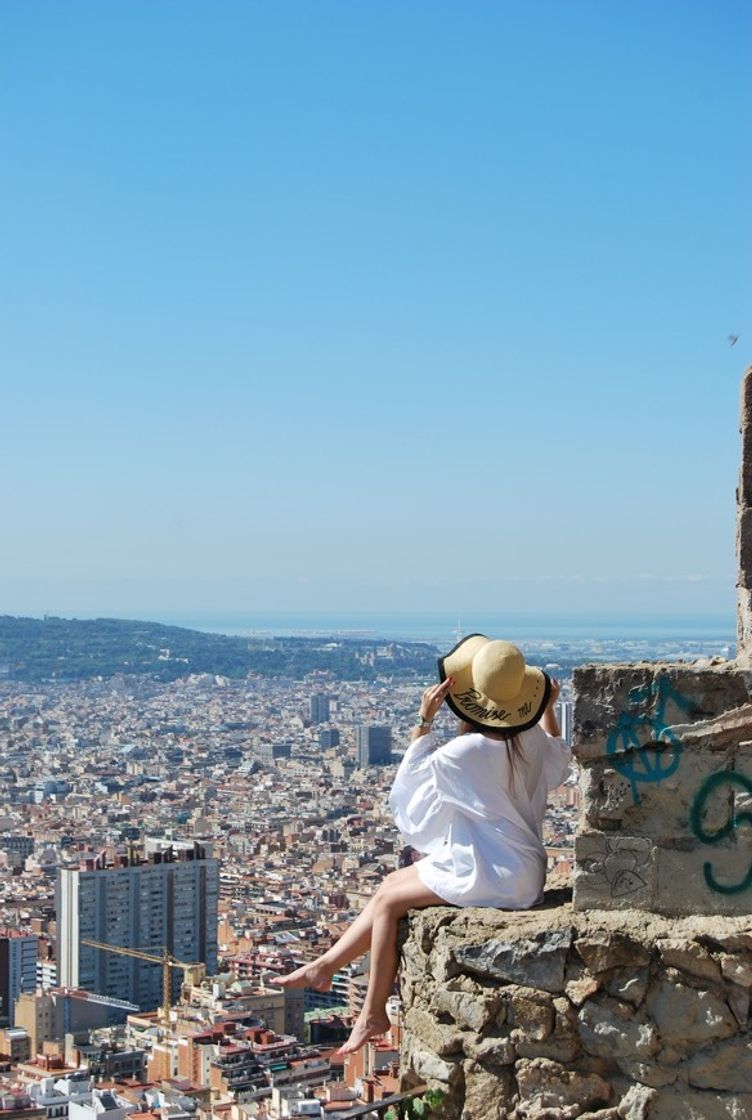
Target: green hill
[(63, 649)]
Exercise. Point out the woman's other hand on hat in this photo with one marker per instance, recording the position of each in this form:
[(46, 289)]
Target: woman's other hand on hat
[(431, 701), (433, 698)]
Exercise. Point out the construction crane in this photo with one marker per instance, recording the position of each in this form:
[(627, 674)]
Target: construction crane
[(91, 997), (194, 971), (106, 1001)]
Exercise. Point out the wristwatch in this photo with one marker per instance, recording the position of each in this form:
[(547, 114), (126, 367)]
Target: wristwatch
[(424, 722)]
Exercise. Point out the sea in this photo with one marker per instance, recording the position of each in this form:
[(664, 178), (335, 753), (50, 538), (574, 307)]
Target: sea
[(444, 629)]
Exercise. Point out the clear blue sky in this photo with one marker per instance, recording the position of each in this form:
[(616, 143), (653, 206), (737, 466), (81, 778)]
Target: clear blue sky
[(377, 304)]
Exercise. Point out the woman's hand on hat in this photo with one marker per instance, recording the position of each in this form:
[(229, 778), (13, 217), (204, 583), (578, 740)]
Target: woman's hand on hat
[(549, 722), (433, 698)]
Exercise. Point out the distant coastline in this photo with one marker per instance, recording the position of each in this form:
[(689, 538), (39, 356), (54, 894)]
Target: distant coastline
[(442, 629)]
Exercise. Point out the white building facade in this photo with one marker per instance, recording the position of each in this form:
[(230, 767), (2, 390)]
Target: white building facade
[(169, 900)]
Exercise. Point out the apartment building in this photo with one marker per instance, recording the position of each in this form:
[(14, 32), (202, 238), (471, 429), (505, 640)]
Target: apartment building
[(167, 899), (18, 970)]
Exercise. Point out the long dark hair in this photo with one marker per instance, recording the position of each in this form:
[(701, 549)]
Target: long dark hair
[(515, 752)]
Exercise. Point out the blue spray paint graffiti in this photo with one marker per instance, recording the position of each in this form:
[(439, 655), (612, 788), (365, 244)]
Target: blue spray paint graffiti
[(635, 730), (721, 778)]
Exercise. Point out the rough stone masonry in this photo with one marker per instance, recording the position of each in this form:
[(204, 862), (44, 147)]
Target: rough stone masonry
[(744, 531), (552, 1014), (632, 1002)]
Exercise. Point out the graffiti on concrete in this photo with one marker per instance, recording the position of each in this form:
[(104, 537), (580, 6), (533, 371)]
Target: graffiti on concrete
[(623, 867), (637, 729), (722, 784)]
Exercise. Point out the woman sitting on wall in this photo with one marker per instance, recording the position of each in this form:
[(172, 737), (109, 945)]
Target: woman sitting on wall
[(473, 805)]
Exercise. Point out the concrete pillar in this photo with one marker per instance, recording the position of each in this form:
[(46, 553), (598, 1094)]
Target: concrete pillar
[(744, 530), (666, 776)]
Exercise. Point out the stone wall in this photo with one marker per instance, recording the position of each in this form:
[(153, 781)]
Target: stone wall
[(666, 757), (744, 529), (552, 1014)]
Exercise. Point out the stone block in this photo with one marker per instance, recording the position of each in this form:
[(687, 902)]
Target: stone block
[(685, 1016), (698, 1104), (444, 1039), (744, 544), (745, 407), (492, 1050), (530, 1013), (739, 1001), (727, 1066), (635, 1103), (433, 1069), (563, 1042), (606, 794), (737, 968), (731, 940), (650, 1073), (743, 625), (581, 989), (468, 1010), (624, 872), (609, 1029), (601, 951), (545, 1084), (628, 984), (689, 957), (488, 1094), (704, 880), (537, 963)]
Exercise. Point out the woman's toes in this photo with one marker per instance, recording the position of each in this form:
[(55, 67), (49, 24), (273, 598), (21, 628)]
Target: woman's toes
[(365, 1027)]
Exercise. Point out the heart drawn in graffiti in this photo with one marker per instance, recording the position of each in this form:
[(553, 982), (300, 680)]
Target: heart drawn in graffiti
[(620, 867)]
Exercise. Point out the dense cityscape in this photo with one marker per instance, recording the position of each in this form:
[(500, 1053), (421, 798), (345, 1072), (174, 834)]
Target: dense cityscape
[(372, 378), (218, 832)]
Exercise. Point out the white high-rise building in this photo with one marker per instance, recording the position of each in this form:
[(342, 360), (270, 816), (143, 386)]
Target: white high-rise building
[(565, 713), (167, 900)]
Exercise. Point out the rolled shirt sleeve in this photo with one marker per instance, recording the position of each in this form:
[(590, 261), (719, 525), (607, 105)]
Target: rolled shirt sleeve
[(420, 812)]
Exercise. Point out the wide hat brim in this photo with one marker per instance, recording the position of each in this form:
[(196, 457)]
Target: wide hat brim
[(516, 712)]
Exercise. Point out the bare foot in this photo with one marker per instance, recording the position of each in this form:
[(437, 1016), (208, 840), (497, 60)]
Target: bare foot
[(366, 1026), (314, 975)]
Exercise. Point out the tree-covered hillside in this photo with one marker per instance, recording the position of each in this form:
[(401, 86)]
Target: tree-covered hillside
[(63, 649)]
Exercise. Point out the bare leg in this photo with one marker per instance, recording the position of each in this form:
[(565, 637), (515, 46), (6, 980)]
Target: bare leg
[(399, 893), (354, 942)]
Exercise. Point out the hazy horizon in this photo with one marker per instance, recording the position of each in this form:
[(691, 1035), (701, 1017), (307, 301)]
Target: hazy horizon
[(603, 598), (721, 624)]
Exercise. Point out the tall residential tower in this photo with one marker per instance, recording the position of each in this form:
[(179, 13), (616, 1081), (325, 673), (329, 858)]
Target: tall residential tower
[(374, 746), (319, 708), (168, 899), (18, 970)]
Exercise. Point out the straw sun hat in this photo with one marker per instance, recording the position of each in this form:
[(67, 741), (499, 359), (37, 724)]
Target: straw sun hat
[(493, 687)]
